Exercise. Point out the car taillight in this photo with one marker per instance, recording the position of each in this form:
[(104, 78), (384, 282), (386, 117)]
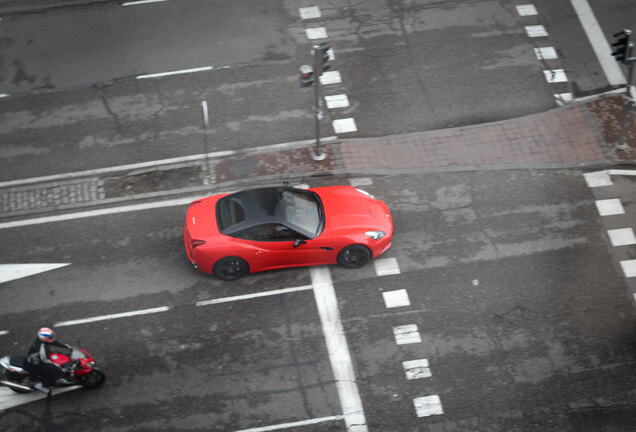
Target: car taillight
[(196, 243)]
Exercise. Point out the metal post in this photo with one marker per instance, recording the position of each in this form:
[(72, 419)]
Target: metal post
[(206, 123), (621, 145), (318, 155)]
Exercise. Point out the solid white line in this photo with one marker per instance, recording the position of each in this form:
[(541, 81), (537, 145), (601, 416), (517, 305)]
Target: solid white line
[(599, 43), (100, 212), (338, 350), (4, 332), (111, 316), (622, 172), (293, 424), (141, 2), (254, 295), (177, 72), (171, 161)]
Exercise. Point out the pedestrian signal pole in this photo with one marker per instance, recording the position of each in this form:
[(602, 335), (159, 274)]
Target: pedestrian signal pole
[(623, 53), (311, 76)]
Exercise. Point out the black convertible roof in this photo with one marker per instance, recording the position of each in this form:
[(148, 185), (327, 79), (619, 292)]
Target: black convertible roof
[(252, 207)]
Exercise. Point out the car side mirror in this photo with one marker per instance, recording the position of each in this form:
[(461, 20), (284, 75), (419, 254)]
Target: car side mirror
[(298, 242)]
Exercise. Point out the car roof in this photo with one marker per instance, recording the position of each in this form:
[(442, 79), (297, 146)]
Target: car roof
[(259, 206)]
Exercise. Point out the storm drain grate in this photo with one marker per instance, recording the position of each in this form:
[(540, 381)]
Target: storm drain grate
[(50, 195)]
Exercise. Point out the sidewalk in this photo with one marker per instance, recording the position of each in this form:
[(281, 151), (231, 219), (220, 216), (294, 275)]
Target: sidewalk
[(577, 135)]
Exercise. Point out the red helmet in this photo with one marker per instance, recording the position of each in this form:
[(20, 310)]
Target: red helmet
[(45, 334)]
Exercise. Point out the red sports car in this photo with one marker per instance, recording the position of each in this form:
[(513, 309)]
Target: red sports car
[(230, 235)]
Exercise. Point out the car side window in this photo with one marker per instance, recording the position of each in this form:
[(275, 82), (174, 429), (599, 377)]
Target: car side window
[(269, 232)]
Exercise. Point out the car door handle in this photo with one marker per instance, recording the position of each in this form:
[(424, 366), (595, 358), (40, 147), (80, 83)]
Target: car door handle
[(326, 248), (258, 252)]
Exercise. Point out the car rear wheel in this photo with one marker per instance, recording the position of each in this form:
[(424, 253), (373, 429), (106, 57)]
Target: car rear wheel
[(230, 268), (354, 256)]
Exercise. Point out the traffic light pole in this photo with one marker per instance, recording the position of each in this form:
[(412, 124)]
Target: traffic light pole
[(318, 154), (621, 145)]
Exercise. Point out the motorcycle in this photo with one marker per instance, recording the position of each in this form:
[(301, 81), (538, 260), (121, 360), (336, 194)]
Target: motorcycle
[(78, 369)]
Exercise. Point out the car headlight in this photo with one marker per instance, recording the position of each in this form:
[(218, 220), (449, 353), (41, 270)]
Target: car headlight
[(365, 193), (375, 235)]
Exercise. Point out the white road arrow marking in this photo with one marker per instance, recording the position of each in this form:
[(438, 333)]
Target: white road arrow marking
[(9, 272), (10, 399)]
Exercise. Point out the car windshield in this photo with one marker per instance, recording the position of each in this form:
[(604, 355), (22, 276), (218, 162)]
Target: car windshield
[(298, 209)]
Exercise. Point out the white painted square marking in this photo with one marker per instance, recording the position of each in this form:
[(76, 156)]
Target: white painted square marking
[(316, 33), (555, 75), (536, 31), (416, 369), (344, 125), (563, 98), (309, 12), (332, 77), (397, 298), (337, 101), (361, 181), (407, 334), (629, 268), (386, 266), (622, 236), (526, 10), (597, 179), (428, 405), (546, 53), (610, 207)]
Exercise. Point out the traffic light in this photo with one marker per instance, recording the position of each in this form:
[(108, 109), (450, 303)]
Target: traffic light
[(306, 76), (322, 51), (623, 47)]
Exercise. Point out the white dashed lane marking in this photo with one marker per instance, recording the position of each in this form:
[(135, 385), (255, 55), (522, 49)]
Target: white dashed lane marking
[(337, 101), (546, 53), (111, 316), (407, 334), (610, 207), (397, 298), (316, 33), (331, 77), (361, 181), (4, 332), (311, 12), (344, 125), (555, 75), (536, 31), (416, 369), (426, 406), (386, 266), (526, 10), (622, 236), (629, 268)]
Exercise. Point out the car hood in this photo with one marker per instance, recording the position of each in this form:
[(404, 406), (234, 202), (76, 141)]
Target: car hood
[(346, 207)]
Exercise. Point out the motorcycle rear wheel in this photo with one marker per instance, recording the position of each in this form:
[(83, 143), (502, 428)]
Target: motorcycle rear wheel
[(16, 378), (93, 379)]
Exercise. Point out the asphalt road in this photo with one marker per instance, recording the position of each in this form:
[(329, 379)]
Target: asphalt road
[(518, 302), (517, 297), (405, 67)]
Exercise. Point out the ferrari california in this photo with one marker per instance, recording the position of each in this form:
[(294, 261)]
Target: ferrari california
[(231, 235)]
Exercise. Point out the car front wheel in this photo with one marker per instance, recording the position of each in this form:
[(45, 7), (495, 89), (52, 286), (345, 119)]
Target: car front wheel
[(230, 268), (354, 256)]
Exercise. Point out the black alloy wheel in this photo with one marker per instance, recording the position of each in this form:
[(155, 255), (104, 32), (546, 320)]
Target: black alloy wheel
[(354, 256), (93, 379), (230, 268)]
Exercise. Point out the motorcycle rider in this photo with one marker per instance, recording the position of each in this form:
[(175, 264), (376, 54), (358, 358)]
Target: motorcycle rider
[(38, 362)]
